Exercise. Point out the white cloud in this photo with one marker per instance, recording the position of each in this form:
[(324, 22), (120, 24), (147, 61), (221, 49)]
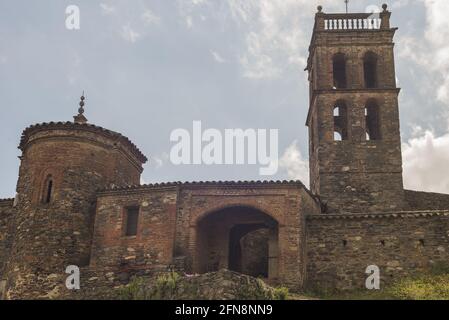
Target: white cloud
[(277, 37), (188, 9), (294, 165), (199, 2), (217, 57), (107, 9), (256, 64), (129, 34), (189, 22), (123, 16), (276, 33), (400, 3), (159, 160), (432, 52), (426, 159), (149, 17)]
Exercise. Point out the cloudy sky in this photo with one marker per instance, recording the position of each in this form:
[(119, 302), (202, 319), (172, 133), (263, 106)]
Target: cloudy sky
[(151, 66)]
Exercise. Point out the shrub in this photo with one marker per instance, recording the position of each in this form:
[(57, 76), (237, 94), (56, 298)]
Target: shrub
[(281, 293), (134, 290), (425, 287), (165, 287)]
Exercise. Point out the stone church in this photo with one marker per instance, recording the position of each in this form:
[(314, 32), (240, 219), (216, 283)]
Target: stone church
[(80, 202)]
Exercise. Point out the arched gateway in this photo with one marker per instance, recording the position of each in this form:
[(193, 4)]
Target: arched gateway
[(239, 238), (255, 228)]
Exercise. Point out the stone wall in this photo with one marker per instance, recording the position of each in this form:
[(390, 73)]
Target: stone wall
[(79, 159), (255, 253), (356, 174), (341, 247), (7, 216), (418, 200)]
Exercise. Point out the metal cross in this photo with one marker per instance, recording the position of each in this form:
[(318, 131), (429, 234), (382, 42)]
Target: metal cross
[(346, 2)]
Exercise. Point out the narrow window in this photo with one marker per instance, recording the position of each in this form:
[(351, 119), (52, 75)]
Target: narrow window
[(339, 71), (132, 217), (340, 121), (370, 70), (372, 120), (48, 190)]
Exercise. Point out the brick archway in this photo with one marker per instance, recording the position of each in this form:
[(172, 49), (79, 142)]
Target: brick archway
[(285, 203), (217, 244)]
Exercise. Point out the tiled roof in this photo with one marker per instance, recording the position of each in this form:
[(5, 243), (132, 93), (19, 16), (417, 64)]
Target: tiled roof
[(76, 126), (207, 183), (399, 214), (7, 201)]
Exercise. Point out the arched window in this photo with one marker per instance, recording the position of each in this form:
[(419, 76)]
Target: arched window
[(340, 112), (370, 70), (339, 71), (372, 120), (48, 190)]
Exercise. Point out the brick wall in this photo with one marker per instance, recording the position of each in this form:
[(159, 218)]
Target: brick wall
[(152, 246), (284, 202), (171, 227)]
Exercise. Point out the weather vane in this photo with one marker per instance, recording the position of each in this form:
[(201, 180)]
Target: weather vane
[(346, 2)]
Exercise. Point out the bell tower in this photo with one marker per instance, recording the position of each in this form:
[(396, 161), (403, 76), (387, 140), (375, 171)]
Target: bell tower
[(353, 119)]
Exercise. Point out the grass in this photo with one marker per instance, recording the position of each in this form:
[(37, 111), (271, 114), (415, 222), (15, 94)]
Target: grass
[(433, 285), (166, 287)]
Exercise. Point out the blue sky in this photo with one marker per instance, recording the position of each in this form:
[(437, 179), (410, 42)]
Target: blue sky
[(149, 67)]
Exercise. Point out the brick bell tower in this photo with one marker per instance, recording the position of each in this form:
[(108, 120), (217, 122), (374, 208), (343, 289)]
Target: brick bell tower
[(353, 119)]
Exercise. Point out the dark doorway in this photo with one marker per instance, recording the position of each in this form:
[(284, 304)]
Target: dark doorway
[(248, 249), (241, 239)]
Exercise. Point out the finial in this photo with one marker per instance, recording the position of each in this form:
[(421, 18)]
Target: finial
[(320, 8), (385, 6), (346, 2), (80, 118), (81, 109)]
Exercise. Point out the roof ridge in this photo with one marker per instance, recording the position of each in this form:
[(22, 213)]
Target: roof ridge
[(394, 214), (208, 182)]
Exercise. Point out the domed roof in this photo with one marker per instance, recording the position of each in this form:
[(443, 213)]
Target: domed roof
[(29, 131)]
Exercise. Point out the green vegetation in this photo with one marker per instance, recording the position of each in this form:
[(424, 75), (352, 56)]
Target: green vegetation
[(164, 288), (281, 293), (261, 291), (169, 286), (433, 285), (134, 290)]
